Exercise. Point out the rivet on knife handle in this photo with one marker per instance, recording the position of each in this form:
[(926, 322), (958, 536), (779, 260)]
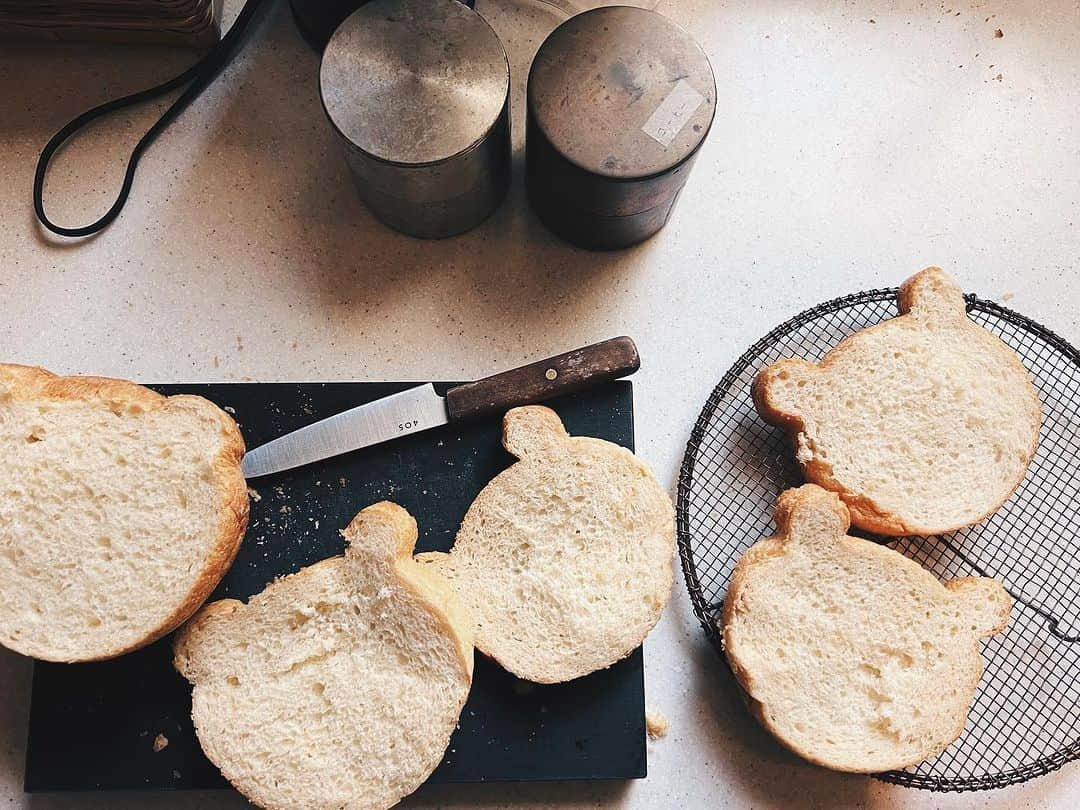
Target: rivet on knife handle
[(536, 382)]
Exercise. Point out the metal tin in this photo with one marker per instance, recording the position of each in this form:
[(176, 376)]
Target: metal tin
[(419, 90), (620, 100)]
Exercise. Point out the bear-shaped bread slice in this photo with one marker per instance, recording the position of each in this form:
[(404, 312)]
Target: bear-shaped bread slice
[(852, 655), (120, 511), (564, 559), (923, 424), (338, 686)]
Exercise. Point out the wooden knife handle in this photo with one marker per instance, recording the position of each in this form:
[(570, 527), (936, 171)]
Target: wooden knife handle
[(564, 374)]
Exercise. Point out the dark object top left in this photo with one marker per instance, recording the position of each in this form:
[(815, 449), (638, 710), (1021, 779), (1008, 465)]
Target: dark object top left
[(318, 19)]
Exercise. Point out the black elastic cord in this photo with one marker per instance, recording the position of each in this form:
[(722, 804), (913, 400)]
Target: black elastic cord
[(197, 77)]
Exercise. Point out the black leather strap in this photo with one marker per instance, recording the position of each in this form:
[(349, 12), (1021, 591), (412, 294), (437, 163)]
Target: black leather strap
[(197, 78)]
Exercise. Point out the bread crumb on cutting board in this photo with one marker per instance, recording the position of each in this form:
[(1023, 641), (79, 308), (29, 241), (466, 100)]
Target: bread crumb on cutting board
[(656, 725), (161, 742)]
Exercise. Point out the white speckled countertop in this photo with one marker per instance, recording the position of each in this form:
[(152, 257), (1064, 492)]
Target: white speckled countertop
[(855, 143)]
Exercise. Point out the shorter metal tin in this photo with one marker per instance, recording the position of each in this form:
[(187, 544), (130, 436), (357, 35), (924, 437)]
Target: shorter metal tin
[(418, 90), (620, 100)]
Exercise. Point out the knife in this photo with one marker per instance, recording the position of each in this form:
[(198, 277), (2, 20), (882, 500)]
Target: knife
[(420, 408)]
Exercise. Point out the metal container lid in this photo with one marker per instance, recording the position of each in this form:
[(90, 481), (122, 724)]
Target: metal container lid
[(622, 92), (414, 82)]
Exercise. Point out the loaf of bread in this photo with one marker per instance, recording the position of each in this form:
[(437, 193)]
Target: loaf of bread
[(564, 559), (923, 424), (121, 509), (852, 655), (338, 686)]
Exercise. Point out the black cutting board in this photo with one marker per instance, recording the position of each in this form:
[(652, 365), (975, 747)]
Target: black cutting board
[(93, 726)]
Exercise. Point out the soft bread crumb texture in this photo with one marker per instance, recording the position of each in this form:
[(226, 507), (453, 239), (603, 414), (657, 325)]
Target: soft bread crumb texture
[(924, 424), (656, 725), (564, 559), (854, 656), (338, 686), (120, 510)]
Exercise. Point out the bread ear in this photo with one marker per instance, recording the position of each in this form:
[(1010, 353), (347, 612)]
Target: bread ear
[(531, 429), (383, 530), (932, 294), (427, 574), (185, 653), (984, 601), (810, 514), (775, 390)]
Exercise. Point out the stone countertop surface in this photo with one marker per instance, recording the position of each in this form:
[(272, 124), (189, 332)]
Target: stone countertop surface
[(855, 143)]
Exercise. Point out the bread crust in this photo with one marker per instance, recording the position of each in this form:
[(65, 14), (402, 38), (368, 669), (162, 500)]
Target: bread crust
[(32, 382), (929, 295), (972, 591)]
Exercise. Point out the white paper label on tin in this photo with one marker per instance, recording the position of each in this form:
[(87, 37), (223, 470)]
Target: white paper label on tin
[(674, 111)]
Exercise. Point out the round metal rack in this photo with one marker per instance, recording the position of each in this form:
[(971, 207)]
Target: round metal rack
[(1025, 721)]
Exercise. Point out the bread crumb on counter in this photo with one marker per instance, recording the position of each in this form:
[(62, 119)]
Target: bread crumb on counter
[(161, 742), (656, 725)]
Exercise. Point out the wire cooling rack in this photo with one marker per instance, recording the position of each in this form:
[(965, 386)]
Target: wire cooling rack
[(1025, 721)]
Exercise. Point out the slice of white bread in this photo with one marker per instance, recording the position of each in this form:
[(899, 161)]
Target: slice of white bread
[(564, 559), (852, 655), (924, 423), (338, 686), (120, 510)]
